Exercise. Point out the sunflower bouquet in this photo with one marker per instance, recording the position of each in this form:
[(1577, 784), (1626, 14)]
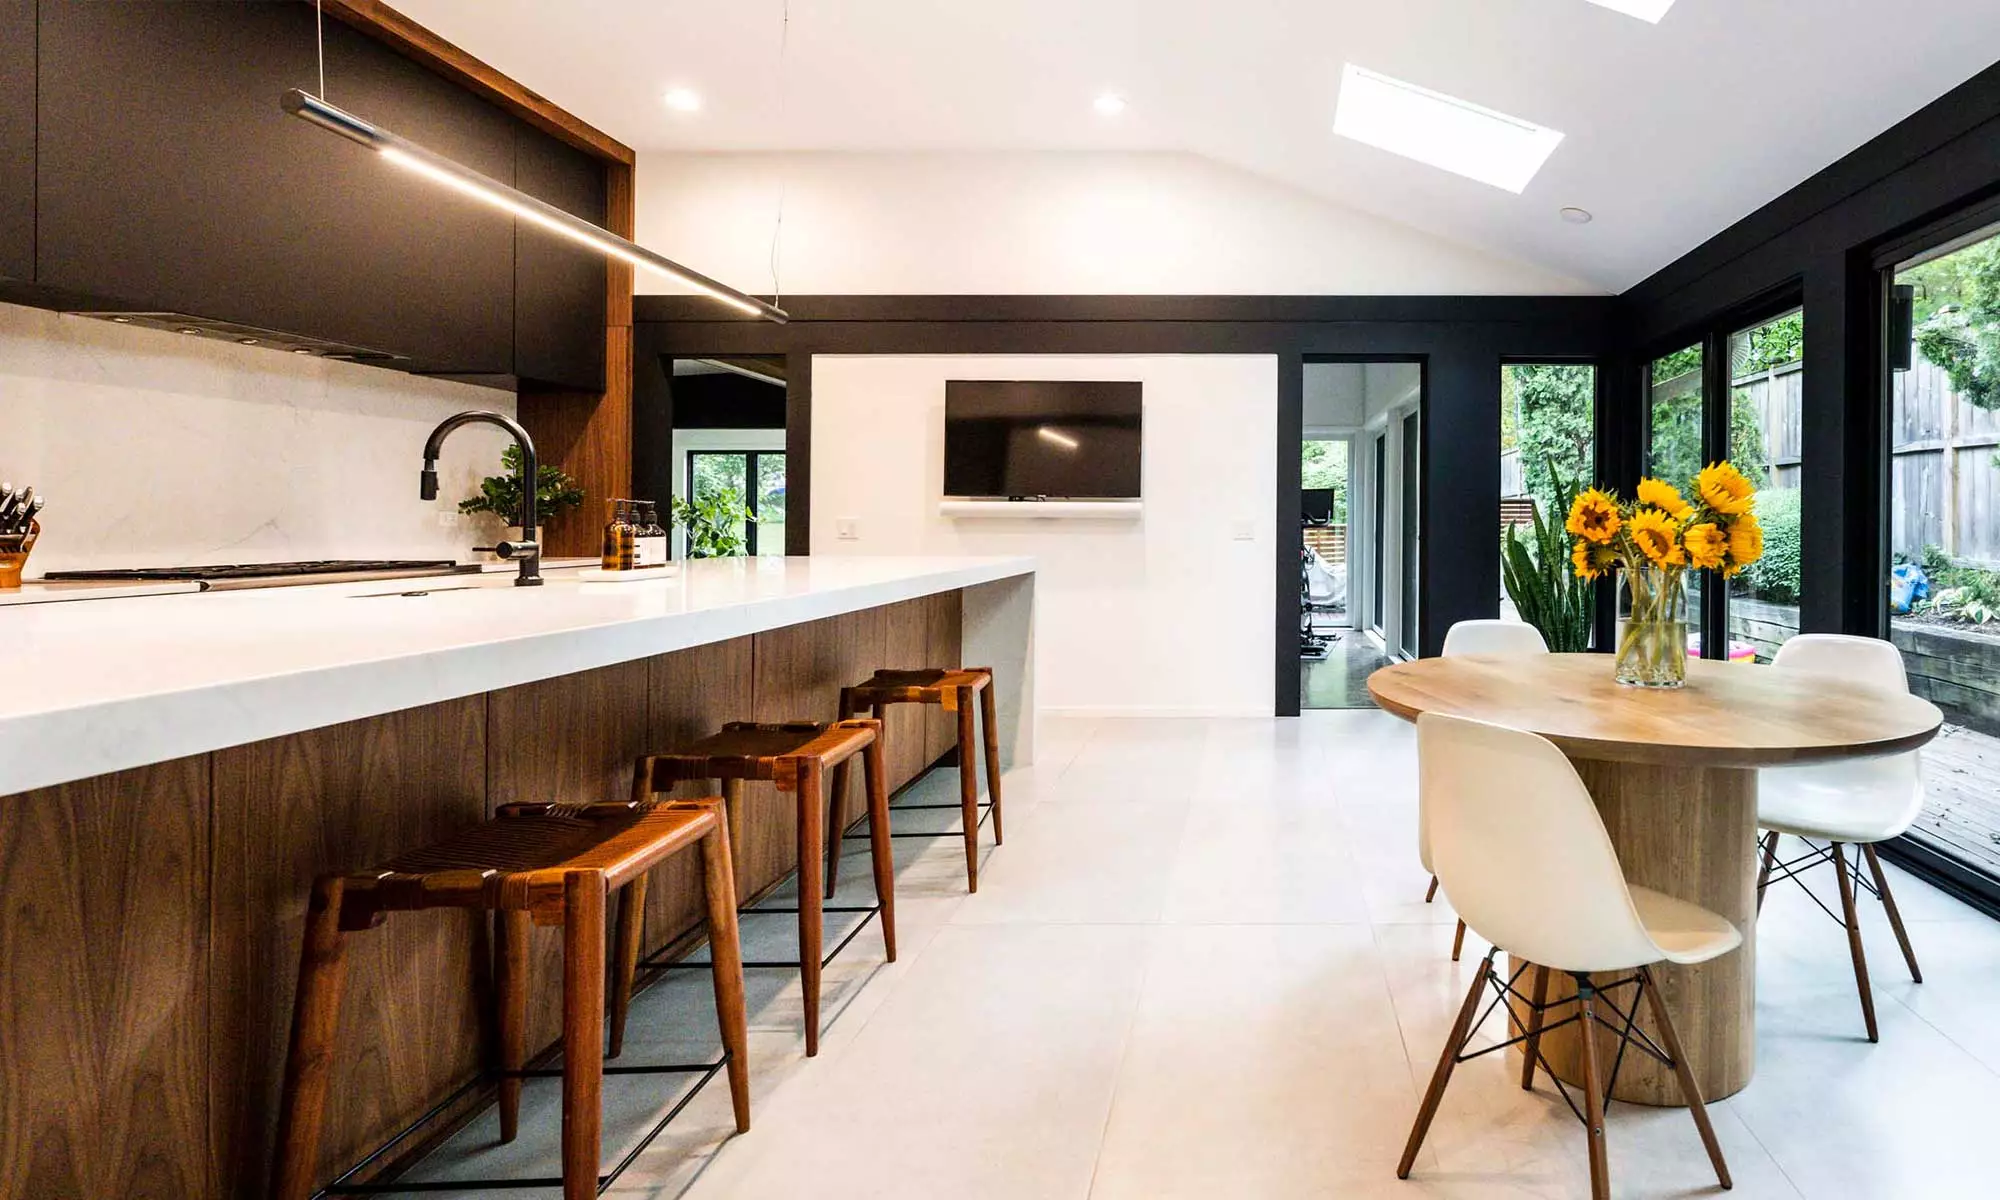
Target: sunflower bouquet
[(1656, 538)]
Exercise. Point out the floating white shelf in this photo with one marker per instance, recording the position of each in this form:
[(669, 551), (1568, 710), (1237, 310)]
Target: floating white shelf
[(1044, 510)]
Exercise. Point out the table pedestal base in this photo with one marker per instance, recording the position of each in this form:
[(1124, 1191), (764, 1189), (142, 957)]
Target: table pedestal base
[(1691, 833)]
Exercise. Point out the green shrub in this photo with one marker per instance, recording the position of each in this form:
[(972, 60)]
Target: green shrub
[(1775, 577)]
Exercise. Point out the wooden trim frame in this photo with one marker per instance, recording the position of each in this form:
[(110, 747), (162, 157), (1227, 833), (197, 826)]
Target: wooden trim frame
[(588, 434)]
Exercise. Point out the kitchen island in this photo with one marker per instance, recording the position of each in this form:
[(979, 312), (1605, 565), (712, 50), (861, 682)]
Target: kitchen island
[(174, 770)]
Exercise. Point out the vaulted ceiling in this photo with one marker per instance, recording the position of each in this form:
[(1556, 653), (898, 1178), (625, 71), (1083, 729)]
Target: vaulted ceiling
[(1674, 130)]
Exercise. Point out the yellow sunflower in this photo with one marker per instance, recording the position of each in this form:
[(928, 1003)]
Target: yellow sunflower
[(1594, 516), (1657, 536), (1706, 544), (1592, 560), (1746, 543), (1665, 497), (1722, 487)]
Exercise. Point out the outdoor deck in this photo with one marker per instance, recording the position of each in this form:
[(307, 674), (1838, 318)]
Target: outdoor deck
[(1962, 804)]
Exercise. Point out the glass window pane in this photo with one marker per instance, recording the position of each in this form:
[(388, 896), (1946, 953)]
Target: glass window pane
[(770, 505), (1548, 448), (1673, 436), (1766, 369), (714, 474), (1944, 584)]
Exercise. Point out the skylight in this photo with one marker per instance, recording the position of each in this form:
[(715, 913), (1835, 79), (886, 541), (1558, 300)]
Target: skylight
[(1441, 130), (1645, 10)]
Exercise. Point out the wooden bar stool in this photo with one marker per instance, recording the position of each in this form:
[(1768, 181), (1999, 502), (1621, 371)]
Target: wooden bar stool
[(952, 690), (796, 756), (552, 865)]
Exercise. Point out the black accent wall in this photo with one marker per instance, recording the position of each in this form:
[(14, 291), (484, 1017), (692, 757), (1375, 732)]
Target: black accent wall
[(17, 139), (1461, 342)]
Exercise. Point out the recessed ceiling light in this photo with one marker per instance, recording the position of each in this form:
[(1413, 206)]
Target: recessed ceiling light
[(1645, 10), (1577, 216), (1109, 104), (1441, 130), (684, 100)]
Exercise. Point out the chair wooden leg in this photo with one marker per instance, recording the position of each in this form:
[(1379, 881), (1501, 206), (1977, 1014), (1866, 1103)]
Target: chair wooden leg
[(1461, 1031), (1430, 893), (1670, 1041), (1458, 942), (1593, 1093), (725, 952), (583, 1032), (812, 899), (732, 812), (1770, 862), (309, 1062), (875, 776), (990, 730), (1533, 1046), (1895, 914), (625, 962), (1854, 942), (510, 985), (968, 788), (836, 804)]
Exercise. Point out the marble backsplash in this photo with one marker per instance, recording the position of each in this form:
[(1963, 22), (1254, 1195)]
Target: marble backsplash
[(156, 449)]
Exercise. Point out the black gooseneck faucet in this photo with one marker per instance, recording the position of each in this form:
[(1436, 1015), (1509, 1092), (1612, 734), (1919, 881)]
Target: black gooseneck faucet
[(528, 551)]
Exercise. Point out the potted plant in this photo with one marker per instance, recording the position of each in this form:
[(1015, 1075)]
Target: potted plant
[(555, 491), (1546, 592)]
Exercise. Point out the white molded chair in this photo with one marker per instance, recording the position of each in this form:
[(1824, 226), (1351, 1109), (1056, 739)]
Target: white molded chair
[(1524, 856), (1848, 803), (1484, 636)]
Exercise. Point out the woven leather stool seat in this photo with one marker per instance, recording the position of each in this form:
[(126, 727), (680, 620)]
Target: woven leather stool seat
[(546, 864), (796, 756), (953, 689)]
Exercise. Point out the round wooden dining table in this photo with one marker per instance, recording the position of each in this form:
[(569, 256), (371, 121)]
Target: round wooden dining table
[(1674, 774)]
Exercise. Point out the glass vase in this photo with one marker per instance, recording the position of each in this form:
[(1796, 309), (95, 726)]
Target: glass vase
[(1652, 629)]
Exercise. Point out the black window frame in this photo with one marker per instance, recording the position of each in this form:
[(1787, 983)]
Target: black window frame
[(750, 478)]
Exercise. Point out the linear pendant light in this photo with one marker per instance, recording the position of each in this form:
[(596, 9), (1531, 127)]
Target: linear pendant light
[(468, 182)]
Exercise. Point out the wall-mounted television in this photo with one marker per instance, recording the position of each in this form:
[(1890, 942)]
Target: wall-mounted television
[(1041, 440)]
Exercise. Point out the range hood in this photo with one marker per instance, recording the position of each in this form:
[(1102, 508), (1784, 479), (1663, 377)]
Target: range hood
[(245, 335)]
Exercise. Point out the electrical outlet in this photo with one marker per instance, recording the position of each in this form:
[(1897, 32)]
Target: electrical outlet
[(450, 519), (847, 529)]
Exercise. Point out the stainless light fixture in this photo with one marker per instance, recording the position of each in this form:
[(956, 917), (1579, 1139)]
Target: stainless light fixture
[(467, 182)]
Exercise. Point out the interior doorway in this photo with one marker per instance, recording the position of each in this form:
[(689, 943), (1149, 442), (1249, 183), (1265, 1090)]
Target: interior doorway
[(1359, 525), (710, 434)]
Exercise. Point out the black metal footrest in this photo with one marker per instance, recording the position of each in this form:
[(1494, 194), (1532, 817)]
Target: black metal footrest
[(650, 963), (985, 811), (339, 1187)]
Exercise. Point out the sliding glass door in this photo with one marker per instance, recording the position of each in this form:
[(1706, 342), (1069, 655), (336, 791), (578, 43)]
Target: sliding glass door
[(751, 480), (1766, 378)]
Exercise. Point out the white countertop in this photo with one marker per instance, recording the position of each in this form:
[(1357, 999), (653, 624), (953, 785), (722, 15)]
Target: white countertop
[(112, 684)]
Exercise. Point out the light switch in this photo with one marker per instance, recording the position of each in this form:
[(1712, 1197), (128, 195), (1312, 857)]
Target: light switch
[(1243, 531), (847, 529)]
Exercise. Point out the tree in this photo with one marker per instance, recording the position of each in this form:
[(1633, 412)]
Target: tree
[(1961, 332), (1554, 424), (1324, 465)]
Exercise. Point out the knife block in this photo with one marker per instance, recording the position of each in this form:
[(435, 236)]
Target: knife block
[(14, 551)]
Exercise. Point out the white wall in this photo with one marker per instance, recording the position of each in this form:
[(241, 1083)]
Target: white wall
[(1170, 614), (1040, 223), (157, 449)]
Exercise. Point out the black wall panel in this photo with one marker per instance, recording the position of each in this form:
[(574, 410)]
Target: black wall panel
[(559, 286), (17, 139), (169, 178)]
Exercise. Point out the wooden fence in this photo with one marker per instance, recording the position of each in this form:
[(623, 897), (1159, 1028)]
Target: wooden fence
[(1945, 482), (1776, 397)]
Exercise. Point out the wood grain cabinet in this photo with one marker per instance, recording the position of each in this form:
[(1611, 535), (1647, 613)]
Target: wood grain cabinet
[(168, 178), (17, 139)]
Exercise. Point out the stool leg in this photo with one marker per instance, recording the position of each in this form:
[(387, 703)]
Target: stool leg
[(583, 1032), (725, 954), (968, 788), (991, 729), (631, 928), (875, 777), (732, 812), (510, 981), (309, 1064), (812, 901), (836, 805)]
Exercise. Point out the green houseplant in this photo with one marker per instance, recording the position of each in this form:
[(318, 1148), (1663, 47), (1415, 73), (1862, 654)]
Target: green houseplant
[(1545, 591), (500, 494), (712, 522)]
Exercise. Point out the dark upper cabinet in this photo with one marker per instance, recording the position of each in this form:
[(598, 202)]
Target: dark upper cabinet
[(559, 286), (17, 139), (169, 178)]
